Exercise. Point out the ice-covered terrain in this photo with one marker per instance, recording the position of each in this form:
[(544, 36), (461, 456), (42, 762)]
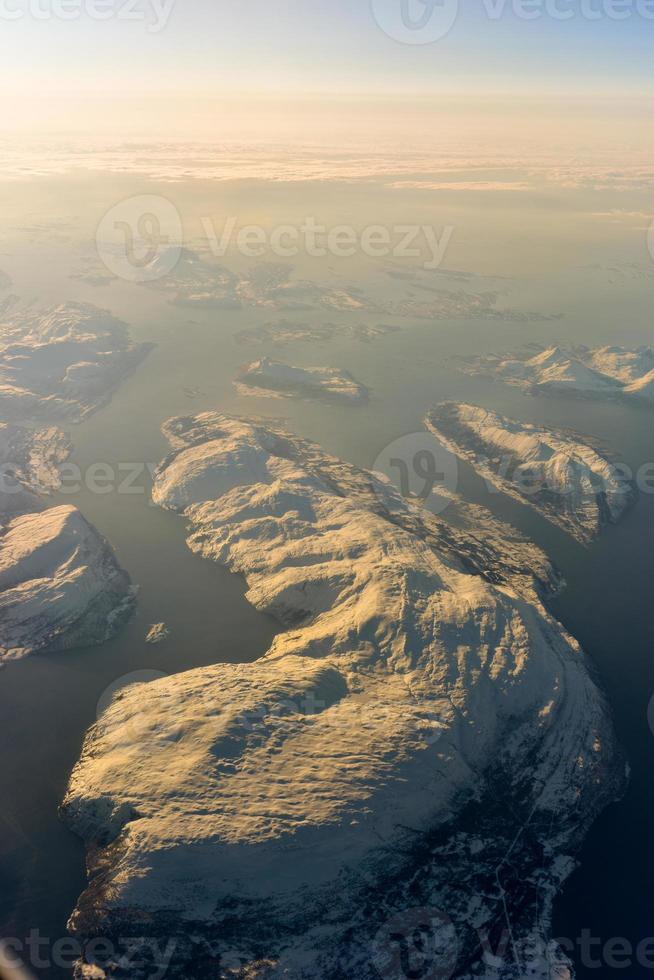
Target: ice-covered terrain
[(569, 481), (60, 584), (266, 375), (600, 372), (421, 734), (30, 461), (62, 363)]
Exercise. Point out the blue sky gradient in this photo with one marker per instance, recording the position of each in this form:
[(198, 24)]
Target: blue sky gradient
[(214, 47)]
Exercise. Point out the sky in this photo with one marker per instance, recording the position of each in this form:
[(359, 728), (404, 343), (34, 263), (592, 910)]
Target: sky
[(59, 59)]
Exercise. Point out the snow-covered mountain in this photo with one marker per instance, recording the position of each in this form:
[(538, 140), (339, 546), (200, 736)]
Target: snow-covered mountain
[(60, 584), (421, 734), (64, 362), (570, 482), (605, 372)]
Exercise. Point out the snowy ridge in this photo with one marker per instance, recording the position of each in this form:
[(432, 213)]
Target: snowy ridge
[(602, 372), (570, 482), (418, 720)]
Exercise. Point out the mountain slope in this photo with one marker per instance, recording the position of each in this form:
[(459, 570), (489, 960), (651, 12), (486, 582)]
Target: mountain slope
[(421, 733), (570, 482)]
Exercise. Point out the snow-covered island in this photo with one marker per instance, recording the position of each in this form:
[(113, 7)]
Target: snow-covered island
[(64, 362), (60, 584), (600, 372), (421, 734), (266, 376), (571, 483), (30, 461)]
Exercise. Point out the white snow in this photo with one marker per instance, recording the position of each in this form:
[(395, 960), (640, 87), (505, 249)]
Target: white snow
[(598, 372), (60, 585), (570, 482), (62, 362), (409, 682)]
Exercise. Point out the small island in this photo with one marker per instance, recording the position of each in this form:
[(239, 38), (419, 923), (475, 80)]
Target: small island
[(267, 376)]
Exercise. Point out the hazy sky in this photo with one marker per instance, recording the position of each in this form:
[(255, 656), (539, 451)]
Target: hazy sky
[(217, 49), (321, 45)]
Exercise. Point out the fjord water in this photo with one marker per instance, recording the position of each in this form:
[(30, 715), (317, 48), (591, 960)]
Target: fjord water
[(47, 702)]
